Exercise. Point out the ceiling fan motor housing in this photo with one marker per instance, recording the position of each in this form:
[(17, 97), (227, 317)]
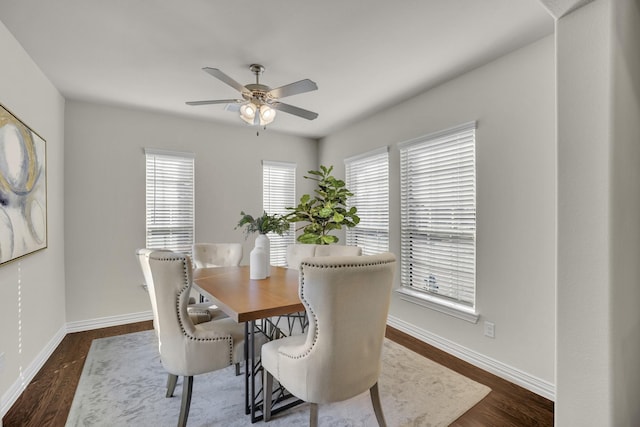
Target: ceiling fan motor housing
[(258, 91)]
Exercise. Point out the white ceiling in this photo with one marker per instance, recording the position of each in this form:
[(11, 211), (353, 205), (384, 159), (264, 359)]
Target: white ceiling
[(364, 55)]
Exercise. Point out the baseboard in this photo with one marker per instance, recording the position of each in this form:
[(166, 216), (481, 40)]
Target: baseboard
[(14, 392), (516, 376), (104, 322)]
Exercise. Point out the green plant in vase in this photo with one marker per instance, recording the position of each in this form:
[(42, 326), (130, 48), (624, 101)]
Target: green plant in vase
[(326, 211), (263, 224), (260, 256)]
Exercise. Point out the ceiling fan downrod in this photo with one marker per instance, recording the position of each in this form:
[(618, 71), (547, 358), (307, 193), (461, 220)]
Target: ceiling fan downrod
[(257, 69)]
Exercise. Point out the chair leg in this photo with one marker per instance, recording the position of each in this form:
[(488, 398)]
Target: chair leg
[(313, 415), (171, 384), (237, 369), (187, 387), (377, 407), (268, 392)]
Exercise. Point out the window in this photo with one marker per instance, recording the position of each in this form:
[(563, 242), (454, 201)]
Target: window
[(367, 177), (279, 193), (438, 220), (170, 200)]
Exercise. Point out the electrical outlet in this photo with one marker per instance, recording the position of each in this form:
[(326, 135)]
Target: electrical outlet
[(1, 364), (490, 329)]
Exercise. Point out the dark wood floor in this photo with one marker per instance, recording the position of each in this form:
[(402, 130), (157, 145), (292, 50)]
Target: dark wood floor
[(47, 399)]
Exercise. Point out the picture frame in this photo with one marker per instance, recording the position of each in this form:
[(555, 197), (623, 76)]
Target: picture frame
[(23, 189)]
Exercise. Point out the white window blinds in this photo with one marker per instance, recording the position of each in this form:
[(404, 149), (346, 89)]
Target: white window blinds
[(170, 200), (278, 193), (438, 215), (367, 177)]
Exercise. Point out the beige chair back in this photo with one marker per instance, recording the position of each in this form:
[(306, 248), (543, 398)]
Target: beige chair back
[(297, 252), (185, 349), (347, 301), (338, 250), (143, 260), (217, 254)]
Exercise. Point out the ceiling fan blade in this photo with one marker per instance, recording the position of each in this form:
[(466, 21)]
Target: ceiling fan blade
[(296, 111), (235, 107), (216, 101), (226, 79), (295, 88)]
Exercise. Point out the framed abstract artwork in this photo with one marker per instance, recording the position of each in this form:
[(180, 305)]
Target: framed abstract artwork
[(23, 189)]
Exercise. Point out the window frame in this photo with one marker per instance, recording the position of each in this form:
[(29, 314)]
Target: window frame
[(438, 221), (169, 215)]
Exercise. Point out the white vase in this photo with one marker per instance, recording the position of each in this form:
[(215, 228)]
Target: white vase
[(263, 241), (258, 263)]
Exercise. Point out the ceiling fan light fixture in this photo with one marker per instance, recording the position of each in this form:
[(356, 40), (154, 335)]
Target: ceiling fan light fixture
[(267, 114), (248, 112)]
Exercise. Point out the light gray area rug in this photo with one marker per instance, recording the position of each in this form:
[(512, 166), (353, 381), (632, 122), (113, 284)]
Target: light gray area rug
[(123, 384)]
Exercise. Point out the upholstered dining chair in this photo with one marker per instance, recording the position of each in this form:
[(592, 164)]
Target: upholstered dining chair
[(297, 252), (187, 349), (206, 255), (347, 302), (198, 312), (338, 250), (296, 323), (216, 254)]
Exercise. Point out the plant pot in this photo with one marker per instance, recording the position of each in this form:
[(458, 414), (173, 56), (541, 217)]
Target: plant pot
[(263, 241), (258, 266)]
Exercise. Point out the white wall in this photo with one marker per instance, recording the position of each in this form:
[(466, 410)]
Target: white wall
[(625, 218), (105, 194), (32, 293), (583, 386), (598, 380), (513, 101)]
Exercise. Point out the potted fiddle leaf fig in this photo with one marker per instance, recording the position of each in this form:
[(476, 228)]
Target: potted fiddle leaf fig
[(326, 211)]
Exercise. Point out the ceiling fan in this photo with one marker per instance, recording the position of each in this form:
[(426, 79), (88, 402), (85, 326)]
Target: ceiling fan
[(260, 101)]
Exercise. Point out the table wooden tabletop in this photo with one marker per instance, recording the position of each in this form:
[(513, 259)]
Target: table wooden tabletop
[(244, 299)]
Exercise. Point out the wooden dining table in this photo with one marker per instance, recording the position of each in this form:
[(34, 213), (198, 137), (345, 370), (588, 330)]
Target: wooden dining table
[(254, 303), (244, 299)]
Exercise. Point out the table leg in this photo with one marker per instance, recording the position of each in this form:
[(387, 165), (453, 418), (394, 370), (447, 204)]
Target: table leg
[(253, 372), (246, 368)]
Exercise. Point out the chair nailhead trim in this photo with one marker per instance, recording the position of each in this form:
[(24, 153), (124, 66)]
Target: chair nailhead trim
[(312, 264), (178, 312), (315, 319), (308, 306)]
